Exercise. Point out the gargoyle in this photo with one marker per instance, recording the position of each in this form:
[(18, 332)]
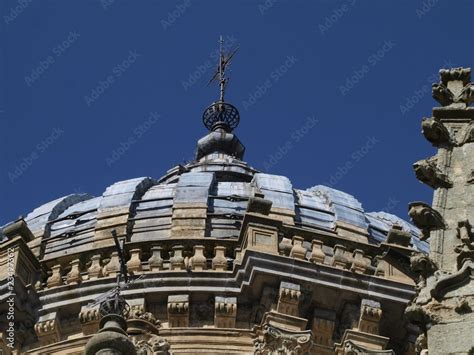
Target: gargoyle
[(435, 131), (425, 218), (426, 171), (442, 94)]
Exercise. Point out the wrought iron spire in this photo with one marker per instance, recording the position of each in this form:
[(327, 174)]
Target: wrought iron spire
[(220, 113)]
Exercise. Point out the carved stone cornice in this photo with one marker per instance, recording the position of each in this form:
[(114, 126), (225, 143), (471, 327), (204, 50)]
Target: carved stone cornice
[(435, 132), (427, 172), (425, 217)]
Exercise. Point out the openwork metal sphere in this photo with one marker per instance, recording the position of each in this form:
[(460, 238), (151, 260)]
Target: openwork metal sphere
[(221, 112), (114, 305)]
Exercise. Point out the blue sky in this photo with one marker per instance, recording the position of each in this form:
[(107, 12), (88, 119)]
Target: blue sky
[(329, 92)]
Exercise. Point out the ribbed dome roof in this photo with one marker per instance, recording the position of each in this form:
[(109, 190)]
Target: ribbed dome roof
[(218, 181)]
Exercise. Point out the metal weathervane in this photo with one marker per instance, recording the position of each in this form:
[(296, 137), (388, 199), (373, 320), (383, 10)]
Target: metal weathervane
[(219, 75), (221, 114), (112, 302)]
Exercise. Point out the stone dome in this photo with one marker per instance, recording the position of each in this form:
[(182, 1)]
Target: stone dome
[(205, 198)]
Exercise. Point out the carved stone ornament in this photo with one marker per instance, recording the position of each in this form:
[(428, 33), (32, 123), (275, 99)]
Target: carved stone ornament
[(275, 341), (137, 313), (427, 172), (422, 264), (425, 218), (351, 348), (435, 131), (466, 248), (154, 345), (454, 89), (466, 135)]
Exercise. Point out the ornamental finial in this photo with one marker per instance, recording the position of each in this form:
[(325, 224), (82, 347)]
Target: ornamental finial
[(220, 113)]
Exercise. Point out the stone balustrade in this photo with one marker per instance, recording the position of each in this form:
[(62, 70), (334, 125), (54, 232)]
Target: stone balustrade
[(140, 260), (336, 255)]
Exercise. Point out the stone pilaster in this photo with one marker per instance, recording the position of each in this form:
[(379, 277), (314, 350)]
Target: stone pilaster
[(445, 299), (323, 330)]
